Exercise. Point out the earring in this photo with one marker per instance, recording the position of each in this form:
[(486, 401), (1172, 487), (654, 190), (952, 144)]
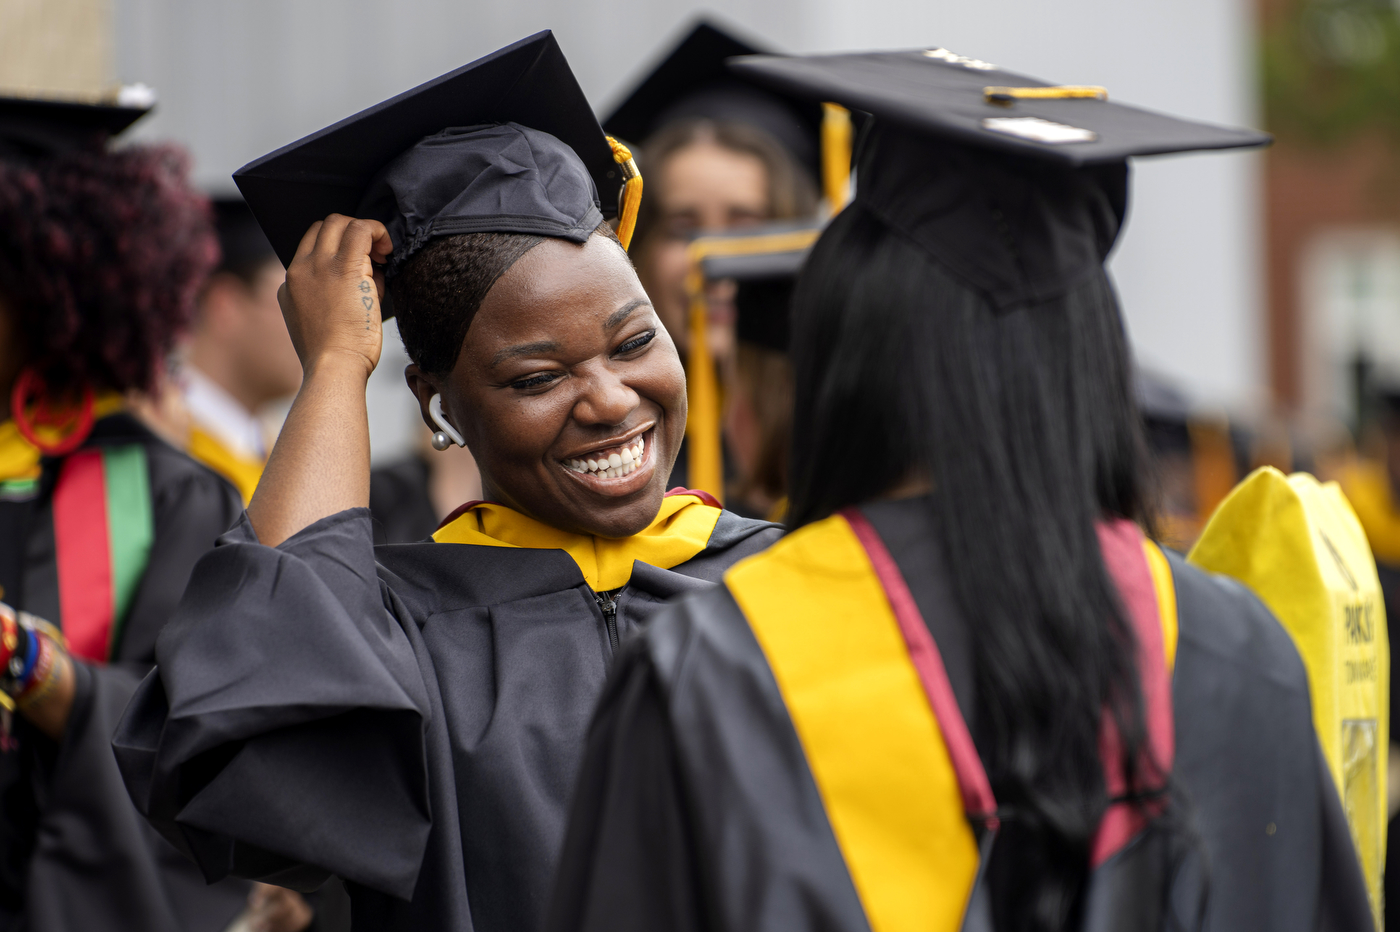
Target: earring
[(446, 434)]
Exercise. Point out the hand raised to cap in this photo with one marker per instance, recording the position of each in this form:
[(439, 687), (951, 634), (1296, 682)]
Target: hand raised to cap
[(330, 300)]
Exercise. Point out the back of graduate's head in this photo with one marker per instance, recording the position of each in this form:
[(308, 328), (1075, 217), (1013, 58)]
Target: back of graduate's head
[(889, 348), (1020, 420), (101, 255)]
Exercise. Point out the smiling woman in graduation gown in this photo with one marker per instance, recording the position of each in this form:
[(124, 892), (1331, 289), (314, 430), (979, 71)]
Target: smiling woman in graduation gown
[(101, 521), (411, 717), (965, 692)]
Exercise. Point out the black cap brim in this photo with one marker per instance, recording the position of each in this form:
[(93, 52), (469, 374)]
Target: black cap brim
[(942, 95), (39, 127), (528, 82)]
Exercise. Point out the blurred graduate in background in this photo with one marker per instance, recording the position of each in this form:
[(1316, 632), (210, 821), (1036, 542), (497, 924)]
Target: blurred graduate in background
[(1193, 458), (760, 265), (410, 497), (239, 358), (720, 154), (102, 252)]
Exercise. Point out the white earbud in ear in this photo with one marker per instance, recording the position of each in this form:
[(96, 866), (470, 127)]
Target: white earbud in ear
[(447, 434)]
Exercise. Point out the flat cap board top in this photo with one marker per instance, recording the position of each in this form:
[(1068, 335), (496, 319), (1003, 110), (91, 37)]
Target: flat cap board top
[(942, 94), (34, 127), (1016, 187), (691, 81), (527, 87)]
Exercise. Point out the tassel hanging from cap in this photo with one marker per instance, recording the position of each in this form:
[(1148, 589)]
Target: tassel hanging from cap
[(631, 196), (836, 156), (705, 462)]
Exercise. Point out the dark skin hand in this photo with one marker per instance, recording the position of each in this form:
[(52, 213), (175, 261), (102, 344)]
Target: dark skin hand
[(564, 357), (320, 464)]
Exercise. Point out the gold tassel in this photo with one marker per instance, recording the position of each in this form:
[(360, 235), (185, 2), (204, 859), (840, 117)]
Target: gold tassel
[(836, 156), (631, 195), (704, 462)]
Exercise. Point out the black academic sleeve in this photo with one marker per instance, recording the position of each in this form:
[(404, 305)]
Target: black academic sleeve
[(282, 735)]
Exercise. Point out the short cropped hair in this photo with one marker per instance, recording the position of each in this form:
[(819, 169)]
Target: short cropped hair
[(439, 290)]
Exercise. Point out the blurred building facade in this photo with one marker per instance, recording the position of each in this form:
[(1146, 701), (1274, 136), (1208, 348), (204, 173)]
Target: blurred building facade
[(239, 79), (1331, 92)]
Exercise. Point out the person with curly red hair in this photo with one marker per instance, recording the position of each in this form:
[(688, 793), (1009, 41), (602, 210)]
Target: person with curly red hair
[(101, 254)]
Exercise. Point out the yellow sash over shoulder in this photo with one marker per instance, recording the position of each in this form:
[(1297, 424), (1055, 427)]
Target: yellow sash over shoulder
[(244, 472), (681, 530), (869, 698), (873, 743)]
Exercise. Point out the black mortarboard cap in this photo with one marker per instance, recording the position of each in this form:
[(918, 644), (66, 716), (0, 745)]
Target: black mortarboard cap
[(506, 144), (763, 262), (1020, 198), (33, 128), (692, 81)]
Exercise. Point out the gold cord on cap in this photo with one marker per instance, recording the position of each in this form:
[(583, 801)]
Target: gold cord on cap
[(1006, 96), (631, 195), (836, 156)]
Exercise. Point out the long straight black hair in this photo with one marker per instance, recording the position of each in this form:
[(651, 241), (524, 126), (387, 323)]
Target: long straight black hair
[(1024, 424)]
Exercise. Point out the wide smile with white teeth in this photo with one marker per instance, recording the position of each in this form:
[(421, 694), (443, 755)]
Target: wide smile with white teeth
[(613, 462)]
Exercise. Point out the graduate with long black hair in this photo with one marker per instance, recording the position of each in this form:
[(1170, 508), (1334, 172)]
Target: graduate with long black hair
[(965, 691), (410, 717)]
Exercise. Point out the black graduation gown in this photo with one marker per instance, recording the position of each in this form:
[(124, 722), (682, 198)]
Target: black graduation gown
[(399, 502), (696, 808), (76, 855), (408, 717)]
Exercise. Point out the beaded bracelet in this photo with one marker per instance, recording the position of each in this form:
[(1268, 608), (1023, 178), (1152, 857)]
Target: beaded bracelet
[(32, 669), (22, 666), (43, 676), (9, 634)]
